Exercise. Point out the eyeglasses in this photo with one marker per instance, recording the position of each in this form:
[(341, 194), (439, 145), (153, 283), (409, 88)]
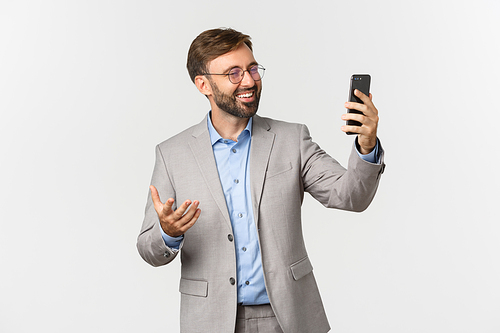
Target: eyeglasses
[(236, 74)]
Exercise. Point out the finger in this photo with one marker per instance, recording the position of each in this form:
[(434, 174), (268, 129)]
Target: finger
[(356, 106), (192, 221), (156, 198), (167, 207), (371, 96), (361, 95), (351, 129), (354, 116), (366, 100), (368, 110), (179, 212), (190, 213)]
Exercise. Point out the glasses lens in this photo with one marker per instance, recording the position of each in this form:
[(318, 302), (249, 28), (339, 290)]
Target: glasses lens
[(257, 72), (235, 75)]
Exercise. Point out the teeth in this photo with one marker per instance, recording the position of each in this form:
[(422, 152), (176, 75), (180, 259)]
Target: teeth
[(249, 94)]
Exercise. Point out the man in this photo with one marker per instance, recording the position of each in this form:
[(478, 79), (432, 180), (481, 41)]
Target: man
[(233, 186)]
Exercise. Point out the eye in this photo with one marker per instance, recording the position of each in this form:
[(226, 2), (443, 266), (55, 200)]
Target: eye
[(235, 73), (254, 69)]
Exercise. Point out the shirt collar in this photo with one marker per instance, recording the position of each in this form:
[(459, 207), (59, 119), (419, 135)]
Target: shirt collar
[(215, 136)]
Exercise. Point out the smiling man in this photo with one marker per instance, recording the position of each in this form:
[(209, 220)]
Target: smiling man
[(226, 194)]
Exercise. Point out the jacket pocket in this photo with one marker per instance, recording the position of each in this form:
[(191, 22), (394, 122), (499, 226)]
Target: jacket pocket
[(301, 268), (278, 171), (193, 287)]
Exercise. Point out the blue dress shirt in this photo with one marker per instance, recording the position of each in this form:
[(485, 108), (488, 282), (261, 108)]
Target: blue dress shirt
[(233, 164)]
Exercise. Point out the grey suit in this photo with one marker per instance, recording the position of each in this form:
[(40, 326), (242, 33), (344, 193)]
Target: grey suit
[(284, 163)]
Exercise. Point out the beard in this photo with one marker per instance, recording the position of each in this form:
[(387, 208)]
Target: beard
[(231, 105)]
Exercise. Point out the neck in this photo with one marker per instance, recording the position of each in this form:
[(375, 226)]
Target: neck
[(227, 125)]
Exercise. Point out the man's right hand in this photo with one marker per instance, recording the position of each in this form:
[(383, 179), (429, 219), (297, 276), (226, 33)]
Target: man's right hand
[(175, 223)]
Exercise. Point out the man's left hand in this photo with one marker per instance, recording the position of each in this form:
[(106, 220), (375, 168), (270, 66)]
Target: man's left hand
[(367, 132)]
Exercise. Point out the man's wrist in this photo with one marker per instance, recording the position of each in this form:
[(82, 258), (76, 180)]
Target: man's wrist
[(172, 242), (371, 156), (365, 151)]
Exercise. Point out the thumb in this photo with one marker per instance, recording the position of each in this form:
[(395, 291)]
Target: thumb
[(156, 199)]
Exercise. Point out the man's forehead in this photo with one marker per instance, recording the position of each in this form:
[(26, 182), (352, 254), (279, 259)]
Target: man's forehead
[(241, 57)]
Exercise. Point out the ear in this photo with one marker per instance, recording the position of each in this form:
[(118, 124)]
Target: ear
[(203, 85)]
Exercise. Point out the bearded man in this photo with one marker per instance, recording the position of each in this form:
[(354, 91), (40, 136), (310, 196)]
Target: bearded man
[(227, 193)]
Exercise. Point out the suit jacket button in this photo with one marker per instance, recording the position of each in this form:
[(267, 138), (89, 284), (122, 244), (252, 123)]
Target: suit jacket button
[(166, 254), (230, 237), (232, 281)]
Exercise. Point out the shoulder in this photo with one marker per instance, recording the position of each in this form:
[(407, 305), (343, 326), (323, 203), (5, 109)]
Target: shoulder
[(182, 138), (279, 126)]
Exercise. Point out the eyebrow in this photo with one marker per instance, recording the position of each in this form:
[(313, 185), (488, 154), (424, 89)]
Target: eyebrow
[(253, 63)]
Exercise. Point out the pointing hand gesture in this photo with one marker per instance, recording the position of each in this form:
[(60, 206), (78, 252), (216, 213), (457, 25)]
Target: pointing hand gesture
[(175, 223)]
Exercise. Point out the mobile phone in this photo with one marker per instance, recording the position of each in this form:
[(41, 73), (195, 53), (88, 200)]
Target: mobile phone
[(362, 83)]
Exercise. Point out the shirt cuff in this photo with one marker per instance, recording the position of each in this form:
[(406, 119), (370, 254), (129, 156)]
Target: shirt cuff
[(172, 242), (371, 157)]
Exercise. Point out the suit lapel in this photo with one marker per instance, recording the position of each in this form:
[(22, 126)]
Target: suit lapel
[(203, 153), (260, 151)]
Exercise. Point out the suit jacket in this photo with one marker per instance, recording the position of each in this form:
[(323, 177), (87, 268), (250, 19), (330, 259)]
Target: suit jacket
[(284, 163)]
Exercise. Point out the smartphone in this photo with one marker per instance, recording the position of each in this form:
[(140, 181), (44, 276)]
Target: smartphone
[(362, 83)]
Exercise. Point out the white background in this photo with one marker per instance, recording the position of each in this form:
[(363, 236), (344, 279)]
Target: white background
[(88, 88)]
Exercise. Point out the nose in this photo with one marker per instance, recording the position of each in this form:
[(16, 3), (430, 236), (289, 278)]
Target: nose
[(247, 79)]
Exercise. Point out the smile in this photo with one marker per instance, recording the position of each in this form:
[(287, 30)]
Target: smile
[(245, 95)]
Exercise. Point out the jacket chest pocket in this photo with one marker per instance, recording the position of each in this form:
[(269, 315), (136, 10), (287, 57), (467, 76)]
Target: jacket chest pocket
[(278, 170)]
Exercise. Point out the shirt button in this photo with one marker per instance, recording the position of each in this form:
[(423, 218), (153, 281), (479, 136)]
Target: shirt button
[(240, 215), (232, 281), (244, 249), (234, 150), (166, 254), (236, 181), (247, 283), (230, 237), (225, 141)]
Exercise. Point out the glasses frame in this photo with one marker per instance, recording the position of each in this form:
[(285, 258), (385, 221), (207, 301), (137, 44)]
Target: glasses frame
[(242, 73)]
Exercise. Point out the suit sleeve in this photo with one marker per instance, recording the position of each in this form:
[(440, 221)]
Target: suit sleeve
[(150, 243), (334, 186)]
